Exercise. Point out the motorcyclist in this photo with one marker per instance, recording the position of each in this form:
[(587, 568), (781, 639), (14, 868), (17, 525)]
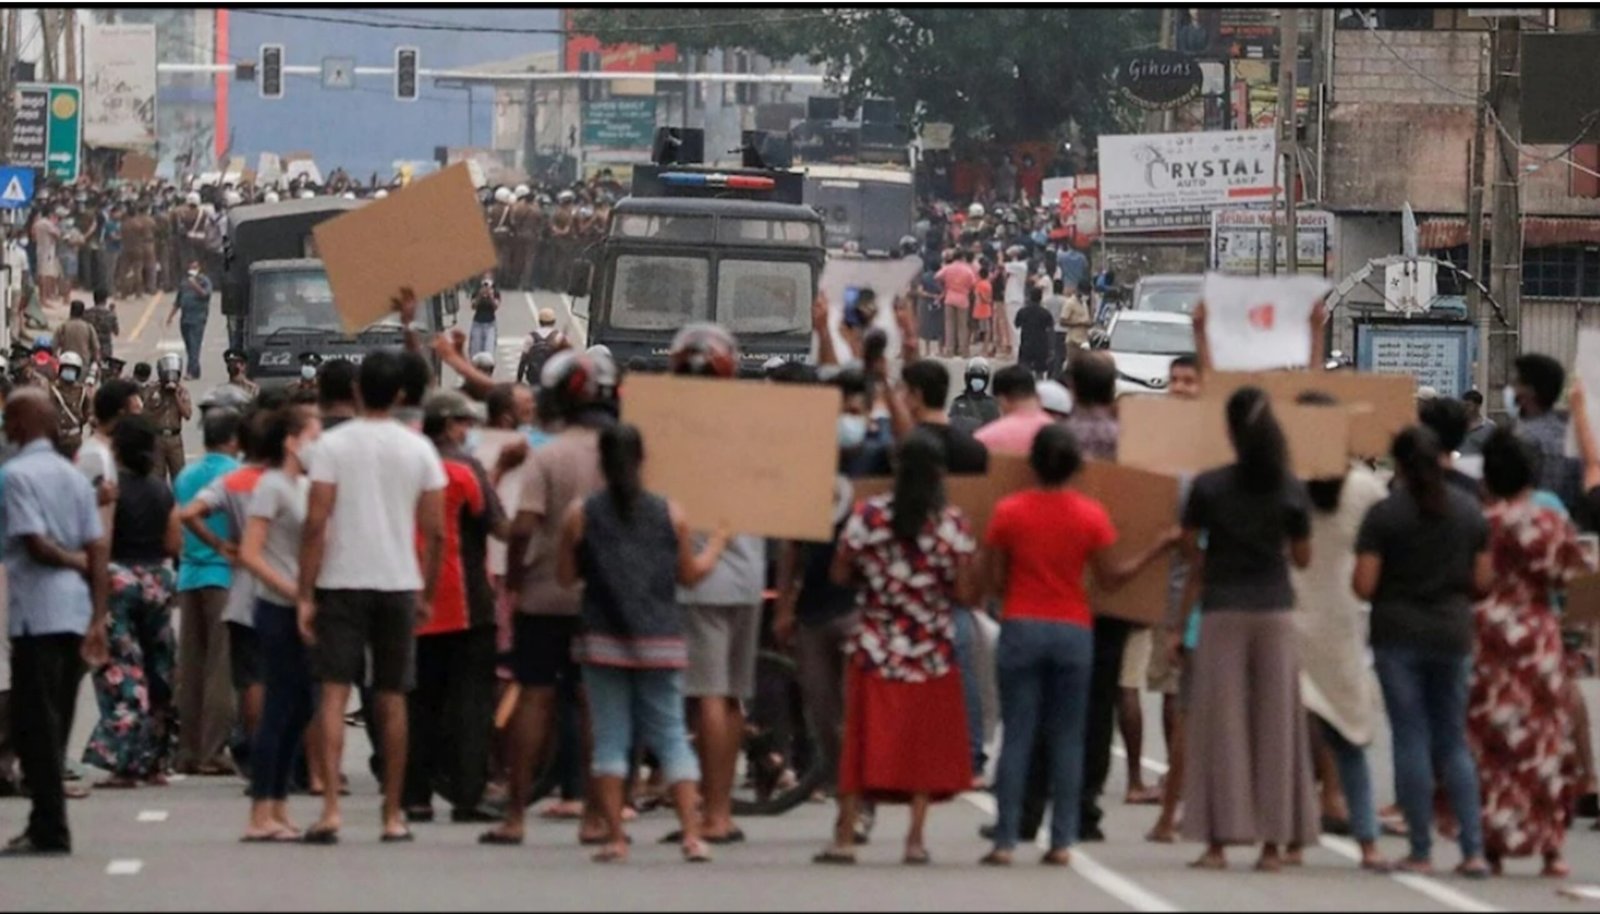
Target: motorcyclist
[(975, 408)]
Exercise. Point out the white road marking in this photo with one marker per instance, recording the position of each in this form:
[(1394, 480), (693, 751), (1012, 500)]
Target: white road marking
[(153, 815), (1101, 876), (1344, 847), (124, 867), (170, 346)]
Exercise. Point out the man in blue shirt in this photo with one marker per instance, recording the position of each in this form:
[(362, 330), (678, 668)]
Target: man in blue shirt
[(1074, 266), (205, 686), (55, 555), (193, 302)]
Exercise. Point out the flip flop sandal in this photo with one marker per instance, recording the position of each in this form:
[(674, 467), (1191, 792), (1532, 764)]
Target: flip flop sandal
[(695, 852), (916, 858), (1207, 863), (326, 837), (1062, 857), (277, 837), (404, 837), (496, 839), (603, 840), (832, 857), (117, 784), (1473, 872), (610, 855), (733, 837), (995, 858), (1379, 867)]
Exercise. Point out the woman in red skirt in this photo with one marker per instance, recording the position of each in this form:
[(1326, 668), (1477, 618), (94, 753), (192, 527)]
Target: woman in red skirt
[(905, 722)]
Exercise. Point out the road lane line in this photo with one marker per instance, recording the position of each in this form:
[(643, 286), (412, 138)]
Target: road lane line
[(153, 815), (124, 867), (149, 310), (1348, 849), (1099, 875)]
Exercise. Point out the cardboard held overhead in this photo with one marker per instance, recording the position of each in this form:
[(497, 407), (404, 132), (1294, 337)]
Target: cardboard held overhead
[(1386, 403), (887, 278), (758, 457), (1143, 505), (1587, 368), (136, 167), (1182, 437), (1256, 323), (428, 239)]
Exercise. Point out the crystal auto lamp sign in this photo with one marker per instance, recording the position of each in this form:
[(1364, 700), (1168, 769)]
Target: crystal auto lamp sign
[(1172, 181), (1158, 79)]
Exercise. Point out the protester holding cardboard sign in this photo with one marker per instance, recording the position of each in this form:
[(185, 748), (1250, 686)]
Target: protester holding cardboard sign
[(1248, 757), (1257, 324), (1040, 543)]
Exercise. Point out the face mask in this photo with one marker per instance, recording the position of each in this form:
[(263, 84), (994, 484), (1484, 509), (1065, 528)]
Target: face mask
[(976, 385), (193, 273), (308, 372), (1509, 395), (69, 375), (474, 439), (852, 431)]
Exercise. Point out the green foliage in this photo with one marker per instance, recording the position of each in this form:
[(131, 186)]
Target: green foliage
[(1001, 73)]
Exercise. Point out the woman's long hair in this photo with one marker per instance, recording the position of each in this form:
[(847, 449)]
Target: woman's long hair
[(918, 484), (1258, 443), (621, 457), (1416, 454), (133, 441)]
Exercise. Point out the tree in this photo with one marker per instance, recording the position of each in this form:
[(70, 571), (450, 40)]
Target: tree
[(1005, 74)]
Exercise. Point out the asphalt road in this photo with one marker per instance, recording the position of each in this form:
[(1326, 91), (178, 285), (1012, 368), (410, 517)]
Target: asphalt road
[(176, 848)]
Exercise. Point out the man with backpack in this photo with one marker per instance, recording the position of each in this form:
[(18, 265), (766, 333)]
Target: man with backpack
[(541, 344)]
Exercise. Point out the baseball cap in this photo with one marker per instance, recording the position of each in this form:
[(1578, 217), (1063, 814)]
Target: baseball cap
[(451, 404), (1055, 398), (547, 316)]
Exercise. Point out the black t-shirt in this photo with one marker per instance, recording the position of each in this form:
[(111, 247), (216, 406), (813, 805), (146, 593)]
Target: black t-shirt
[(964, 455), (1036, 325), (1424, 597), (484, 308), (139, 523), (1247, 537)]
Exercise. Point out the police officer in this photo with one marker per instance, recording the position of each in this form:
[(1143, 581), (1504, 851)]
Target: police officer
[(235, 361), (527, 223), (167, 404), (73, 396), (974, 408), (502, 231), (310, 362)]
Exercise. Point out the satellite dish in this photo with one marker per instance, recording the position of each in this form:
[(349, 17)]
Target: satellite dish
[(1408, 231)]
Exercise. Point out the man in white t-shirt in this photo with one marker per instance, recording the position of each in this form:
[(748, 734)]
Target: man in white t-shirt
[(116, 398), (1016, 293), (376, 492)]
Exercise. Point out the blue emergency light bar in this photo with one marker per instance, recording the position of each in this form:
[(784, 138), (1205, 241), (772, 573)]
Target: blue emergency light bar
[(716, 179)]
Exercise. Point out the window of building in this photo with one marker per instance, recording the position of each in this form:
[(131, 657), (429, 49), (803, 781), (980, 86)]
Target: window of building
[(1564, 271)]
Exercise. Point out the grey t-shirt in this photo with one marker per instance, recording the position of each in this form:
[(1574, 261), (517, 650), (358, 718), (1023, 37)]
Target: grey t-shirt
[(739, 578), (282, 500), (1424, 597), (1248, 532), (230, 493)]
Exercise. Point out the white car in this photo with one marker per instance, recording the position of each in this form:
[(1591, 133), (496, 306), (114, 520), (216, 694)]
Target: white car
[(1143, 344)]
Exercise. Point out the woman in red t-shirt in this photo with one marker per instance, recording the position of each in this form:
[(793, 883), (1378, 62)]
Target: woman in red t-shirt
[(983, 311), (1039, 543)]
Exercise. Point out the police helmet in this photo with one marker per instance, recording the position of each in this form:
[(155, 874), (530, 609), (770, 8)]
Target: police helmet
[(71, 360), (44, 343), (977, 368), (169, 363), (270, 196), (706, 350), (975, 211), (522, 191), (502, 195), (571, 380)]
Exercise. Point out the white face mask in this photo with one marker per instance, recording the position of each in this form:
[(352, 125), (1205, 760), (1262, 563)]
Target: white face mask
[(193, 273), (976, 385), (1509, 397), (69, 375), (308, 372), (474, 439)]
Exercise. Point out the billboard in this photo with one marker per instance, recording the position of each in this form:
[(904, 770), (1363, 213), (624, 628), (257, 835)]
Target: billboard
[(1241, 242), (119, 87), (619, 123), (1172, 181)]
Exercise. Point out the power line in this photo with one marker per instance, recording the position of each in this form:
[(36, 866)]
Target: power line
[(551, 30)]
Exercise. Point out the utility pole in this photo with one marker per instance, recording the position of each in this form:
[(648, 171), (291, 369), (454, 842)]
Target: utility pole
[(1476, 306), (8, 80), (1505, 236), (50, 37), (69, 41), (1288, 139)]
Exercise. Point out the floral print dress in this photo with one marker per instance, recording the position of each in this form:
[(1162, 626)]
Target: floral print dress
[(138, 730), (1517, 717)]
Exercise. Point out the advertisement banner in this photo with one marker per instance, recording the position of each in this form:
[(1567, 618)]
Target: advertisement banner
[(1242, 239), (1172, 181), (47, 129), (619, 123), (119, 105)]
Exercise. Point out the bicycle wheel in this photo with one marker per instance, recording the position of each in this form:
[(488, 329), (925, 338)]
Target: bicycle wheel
[(779, 766)]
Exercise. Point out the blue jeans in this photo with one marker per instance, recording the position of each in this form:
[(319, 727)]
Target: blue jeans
[(1044, 672), (1355, 779), (194, 332), (971, 684), (286, 673), (1426, 696), (483, 337), (624, 703)]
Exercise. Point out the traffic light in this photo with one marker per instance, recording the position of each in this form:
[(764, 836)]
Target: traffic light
[(271, 84), (405, 74)]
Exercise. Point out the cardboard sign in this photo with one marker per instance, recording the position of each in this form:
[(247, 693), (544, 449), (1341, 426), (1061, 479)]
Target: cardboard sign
[(1184, 437), (1386, 404), (1258, 324), (1587, 367), (1583, 600), (758, 457), (888, 280), (428, 238), (136, 167), (1143, 506)]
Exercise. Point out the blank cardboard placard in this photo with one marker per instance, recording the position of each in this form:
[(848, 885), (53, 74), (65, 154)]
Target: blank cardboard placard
[(975, 495), (136, 167), (1143, 506), (428, 238), (1177, 436), (759, 457), (1583, 601), (1587, 368), (1387, 402), (1257, 323)]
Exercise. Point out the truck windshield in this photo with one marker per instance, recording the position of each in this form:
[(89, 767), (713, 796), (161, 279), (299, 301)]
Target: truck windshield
[(764, 296), (301, 300), (655, 292)]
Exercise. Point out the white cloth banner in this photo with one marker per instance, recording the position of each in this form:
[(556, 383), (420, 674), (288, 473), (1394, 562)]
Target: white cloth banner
[(119, 97), (1587, 367), (1260, 324)]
